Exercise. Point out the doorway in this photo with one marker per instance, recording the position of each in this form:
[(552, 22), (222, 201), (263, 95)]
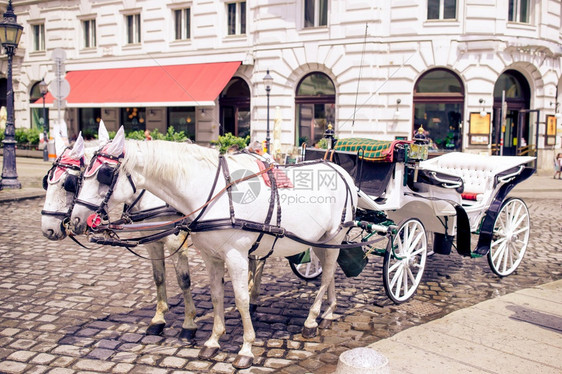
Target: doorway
[(235, 108), (515, 136)]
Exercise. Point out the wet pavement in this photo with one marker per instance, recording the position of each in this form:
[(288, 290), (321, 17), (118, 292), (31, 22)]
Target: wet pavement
[(65, 309)]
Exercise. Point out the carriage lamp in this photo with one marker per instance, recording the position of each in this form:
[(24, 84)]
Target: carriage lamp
[(420, 147), (267, 80), (10, 34)]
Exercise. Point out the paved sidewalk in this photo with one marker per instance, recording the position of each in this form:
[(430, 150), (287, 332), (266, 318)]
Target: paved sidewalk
[(516, 333)]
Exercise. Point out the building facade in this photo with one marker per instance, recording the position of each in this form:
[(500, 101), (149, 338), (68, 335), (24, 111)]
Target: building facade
[(480, 76)]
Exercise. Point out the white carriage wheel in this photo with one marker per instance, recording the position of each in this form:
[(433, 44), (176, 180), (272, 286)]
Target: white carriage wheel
[(510, 237), (403, 268), (309, 270)]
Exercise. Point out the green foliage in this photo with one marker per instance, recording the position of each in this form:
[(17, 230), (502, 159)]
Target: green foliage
[(228, 140), (170, 135), (136, 135), (322, 143), (26, 136)]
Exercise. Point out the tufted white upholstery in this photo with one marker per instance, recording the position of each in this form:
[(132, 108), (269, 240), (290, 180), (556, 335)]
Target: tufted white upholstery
[(476, 171)]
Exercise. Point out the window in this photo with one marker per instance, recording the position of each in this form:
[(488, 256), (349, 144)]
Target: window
[(89, 122), (38, 37), (315, 104), (133, 28), (519, 11), (315, 13), (236, 18), (182, 119), (441, 9), (133, 119), (182, 23), (89, 28), (438, 107)]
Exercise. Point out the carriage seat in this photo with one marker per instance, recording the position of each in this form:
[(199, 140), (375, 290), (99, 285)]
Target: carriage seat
[(477, 172)]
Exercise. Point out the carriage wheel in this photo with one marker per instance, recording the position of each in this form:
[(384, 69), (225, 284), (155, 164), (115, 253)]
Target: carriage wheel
[(309, 270), (403, 267), (510, 237)]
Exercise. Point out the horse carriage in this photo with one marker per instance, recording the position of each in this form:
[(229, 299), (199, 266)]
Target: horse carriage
[(417, 201), (379, 193)]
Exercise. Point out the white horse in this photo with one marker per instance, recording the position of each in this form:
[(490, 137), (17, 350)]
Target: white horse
[(62, 183), (194, 180)]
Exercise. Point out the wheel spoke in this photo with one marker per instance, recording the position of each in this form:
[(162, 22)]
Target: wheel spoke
[(498, 252), (394, 266), (411, 275)]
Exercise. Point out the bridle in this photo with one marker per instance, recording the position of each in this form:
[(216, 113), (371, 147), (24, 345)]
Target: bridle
[(72, 182), (106, 168)]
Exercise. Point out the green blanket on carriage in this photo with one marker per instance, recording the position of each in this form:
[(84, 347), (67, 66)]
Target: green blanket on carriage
[(370, 149)]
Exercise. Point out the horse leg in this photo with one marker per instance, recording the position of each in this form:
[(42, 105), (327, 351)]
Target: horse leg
[(254, 280), (328, 260), (328, 316), (156, 252), (215, 270), (237, 264), (181, 265)]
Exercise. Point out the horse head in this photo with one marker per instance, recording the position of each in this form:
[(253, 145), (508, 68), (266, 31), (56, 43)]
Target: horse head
[(103, 186), (61, 183)]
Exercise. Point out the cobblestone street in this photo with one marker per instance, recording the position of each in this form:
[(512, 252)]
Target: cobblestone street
[(65, 309)]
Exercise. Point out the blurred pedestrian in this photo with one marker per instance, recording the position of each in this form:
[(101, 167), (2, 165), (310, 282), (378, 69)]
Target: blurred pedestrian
[(557, 165)]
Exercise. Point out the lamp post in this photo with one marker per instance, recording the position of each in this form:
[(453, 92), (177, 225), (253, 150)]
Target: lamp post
[(10, 34), (44, 89), (267, 80)]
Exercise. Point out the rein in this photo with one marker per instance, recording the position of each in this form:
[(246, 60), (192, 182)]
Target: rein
[(232, 223)]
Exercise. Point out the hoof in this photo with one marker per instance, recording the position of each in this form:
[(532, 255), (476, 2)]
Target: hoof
[(309, 332), (242, 362), (188, 334), (206, 353), (253, 308), (155, 329), (325, 324)]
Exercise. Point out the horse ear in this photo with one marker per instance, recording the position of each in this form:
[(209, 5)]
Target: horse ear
[(117, 145), (78, 148), (103, 135), (60, 146)]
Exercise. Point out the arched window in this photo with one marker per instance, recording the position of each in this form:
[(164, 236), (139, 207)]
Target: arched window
[(438, 107), (38, 116), (235, 108), (315, 105)]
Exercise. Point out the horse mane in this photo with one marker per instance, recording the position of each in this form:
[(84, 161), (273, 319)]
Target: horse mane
[(156, 156)]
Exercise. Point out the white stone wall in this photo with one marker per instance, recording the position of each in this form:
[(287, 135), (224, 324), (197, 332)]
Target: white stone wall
[(373, 51)]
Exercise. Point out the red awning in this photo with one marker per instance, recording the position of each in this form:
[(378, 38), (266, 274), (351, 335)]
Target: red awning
[(172, 85)]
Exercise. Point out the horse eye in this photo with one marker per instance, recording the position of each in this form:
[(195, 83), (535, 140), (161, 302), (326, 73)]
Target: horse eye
[(45, 182)]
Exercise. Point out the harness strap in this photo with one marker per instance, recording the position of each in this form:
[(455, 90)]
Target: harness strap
[(129, 243), (224, 165), (278, 232)]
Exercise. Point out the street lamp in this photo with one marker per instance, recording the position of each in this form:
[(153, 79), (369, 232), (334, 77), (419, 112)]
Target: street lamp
[(267, 80), (44, 89), (10, 34)]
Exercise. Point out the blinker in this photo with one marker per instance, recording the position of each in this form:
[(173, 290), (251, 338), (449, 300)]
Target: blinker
[(71, 183), (105, 174)]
